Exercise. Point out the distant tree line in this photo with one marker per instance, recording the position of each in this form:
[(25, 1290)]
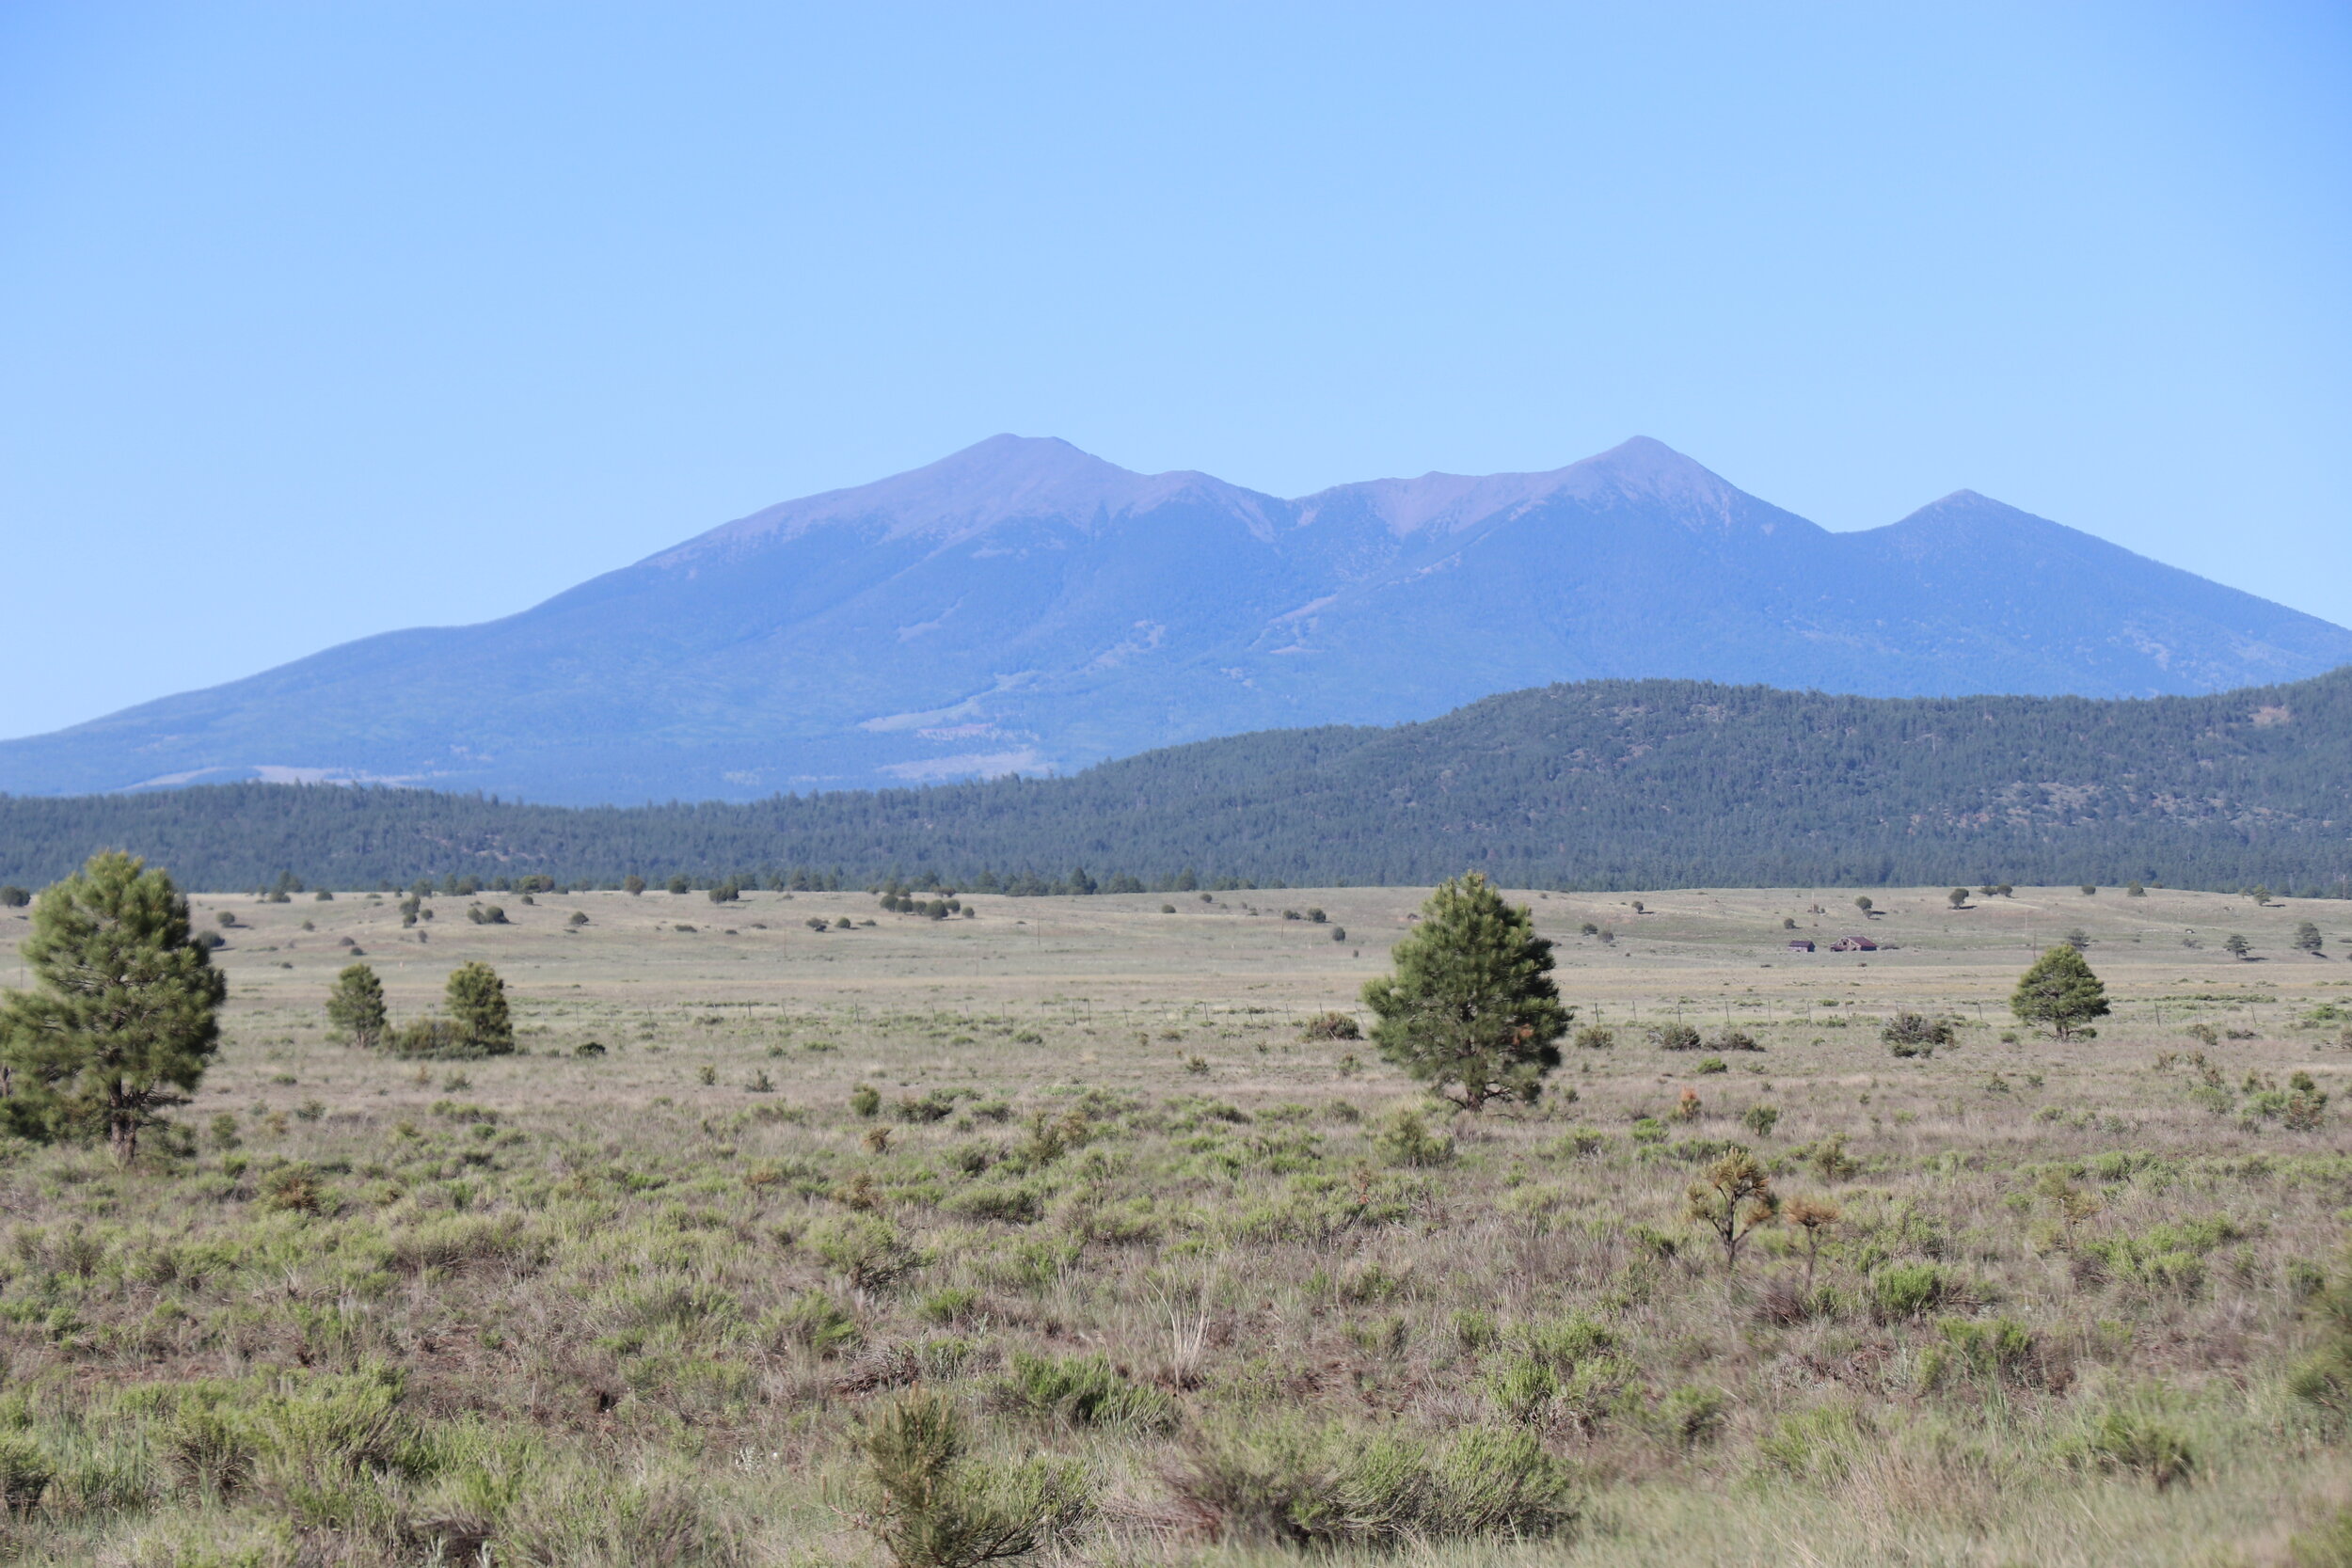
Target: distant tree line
[(1598, 786)]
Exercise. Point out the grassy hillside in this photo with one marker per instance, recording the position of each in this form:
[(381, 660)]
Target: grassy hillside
[(1599, 785)]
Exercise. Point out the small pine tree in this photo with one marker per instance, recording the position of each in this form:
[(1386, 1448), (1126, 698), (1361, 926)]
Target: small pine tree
[(124, 1017), (1958, 897), (1735, 1199), (2307, 937), (931, 1506), (1472, 1009), (2238, 947), (354, 1008), (1813, 1216), (2059, 992), (477, 1006), (633, 885)]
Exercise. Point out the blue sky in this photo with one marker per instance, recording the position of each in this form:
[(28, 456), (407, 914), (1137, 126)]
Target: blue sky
[(321, 320)]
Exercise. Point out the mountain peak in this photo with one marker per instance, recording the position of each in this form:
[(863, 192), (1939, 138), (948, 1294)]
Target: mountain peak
[(1641, 472), (998, 479)]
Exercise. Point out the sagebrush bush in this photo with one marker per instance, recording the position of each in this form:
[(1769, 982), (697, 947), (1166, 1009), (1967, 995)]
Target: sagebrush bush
[(1295, 1482), (2140, 1444), (1404, 1139), (1911, 1034), (25, 1473), (1902, 1290), (1082, 1391)]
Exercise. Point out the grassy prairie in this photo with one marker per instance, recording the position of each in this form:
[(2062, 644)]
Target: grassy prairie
[(633, 1306)]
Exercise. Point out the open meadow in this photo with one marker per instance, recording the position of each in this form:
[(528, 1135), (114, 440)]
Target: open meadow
[(1206, 1280)]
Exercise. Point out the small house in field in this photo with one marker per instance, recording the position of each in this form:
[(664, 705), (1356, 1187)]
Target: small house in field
[(1853, 944), (1801, 944)]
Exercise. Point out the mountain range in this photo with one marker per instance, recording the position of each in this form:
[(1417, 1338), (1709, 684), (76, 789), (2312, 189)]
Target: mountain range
[(1024, 607)]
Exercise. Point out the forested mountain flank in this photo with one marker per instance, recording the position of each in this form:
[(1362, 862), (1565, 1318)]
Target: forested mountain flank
[(1595, 785)]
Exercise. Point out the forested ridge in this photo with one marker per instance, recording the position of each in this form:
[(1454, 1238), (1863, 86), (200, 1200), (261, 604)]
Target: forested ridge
[(1595, 785)]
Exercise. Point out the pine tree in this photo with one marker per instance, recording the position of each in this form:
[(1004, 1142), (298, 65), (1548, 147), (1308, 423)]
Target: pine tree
[(1472, 1009), (477, 1006), (124, 1018), (2059, 992), (1735, 1199), (356, 1006)]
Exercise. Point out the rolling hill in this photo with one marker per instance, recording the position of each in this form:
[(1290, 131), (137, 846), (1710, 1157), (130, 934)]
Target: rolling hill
[(1596, 784), (1021, 606)]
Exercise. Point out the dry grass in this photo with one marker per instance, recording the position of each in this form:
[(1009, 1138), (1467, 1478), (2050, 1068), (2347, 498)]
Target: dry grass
[(593, 1309)]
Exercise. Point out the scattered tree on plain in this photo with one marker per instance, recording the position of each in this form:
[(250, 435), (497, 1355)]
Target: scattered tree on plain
[(2239, 948), (1471, 1009), (354, 1008), (124, 1014), (477, 1006), (2059, 993)]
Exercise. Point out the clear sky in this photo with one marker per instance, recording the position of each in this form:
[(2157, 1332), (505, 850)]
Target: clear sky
[(317, 321)]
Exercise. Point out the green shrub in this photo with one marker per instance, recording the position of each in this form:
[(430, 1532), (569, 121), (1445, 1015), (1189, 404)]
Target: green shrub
[(2323, 1379), (950, 1303), (863, 1250), (1082, 1391), (1404, 1139), (2138, 1443), (1011, 1204), (1689, 1416), (1902, 1291), (816, 1322), (931, 1508), (2001, 1351), (1567, 1366), (25, 1473), (864, 1100), (297, 1189), (1818, 1446), (1909, 1033), (206, 1454), (431, 1038), (1295, 1483)]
